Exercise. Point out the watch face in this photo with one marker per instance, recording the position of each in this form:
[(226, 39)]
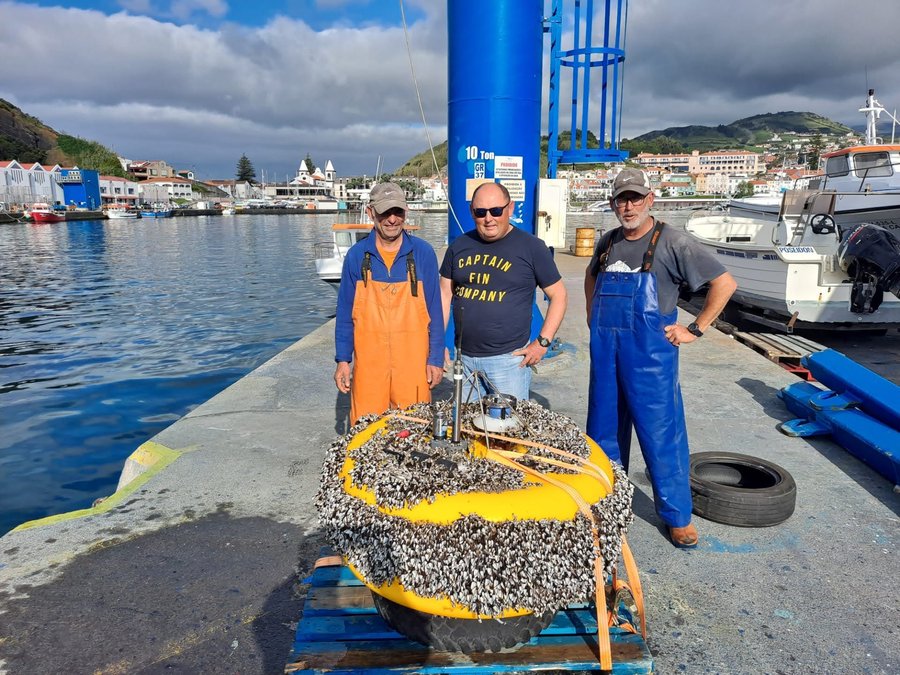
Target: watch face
[(543, 342)]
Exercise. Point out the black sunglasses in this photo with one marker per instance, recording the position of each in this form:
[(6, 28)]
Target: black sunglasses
[(495, 211)]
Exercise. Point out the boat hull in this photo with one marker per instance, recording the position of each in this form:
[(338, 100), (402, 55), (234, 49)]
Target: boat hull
[(156, 214), (47, 217), (800, 283)]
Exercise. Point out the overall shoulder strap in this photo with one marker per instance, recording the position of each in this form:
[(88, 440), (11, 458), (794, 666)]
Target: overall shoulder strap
[(366, 267), (603, 258), (411, 270), (651, 247)]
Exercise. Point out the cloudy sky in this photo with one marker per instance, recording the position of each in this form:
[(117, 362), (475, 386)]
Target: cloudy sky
[(199, 82)]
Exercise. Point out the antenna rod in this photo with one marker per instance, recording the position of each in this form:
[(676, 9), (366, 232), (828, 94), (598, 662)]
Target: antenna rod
[(457, 375)]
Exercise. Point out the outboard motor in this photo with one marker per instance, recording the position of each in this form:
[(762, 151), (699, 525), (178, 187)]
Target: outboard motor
[(870, 254)]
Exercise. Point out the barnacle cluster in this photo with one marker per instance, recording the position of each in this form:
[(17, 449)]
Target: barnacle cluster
[(485, 566)]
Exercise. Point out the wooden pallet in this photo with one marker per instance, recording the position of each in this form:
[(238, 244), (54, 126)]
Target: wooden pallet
[(341, 632), (785, 350)]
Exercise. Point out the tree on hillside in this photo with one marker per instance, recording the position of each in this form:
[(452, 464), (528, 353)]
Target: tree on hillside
[(815, 151), (660, 145), (744, 189), (245, 170), (411, 187), (310, 164)]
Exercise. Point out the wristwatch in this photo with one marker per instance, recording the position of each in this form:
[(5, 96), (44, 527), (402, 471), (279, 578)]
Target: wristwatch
[(694, 329), (543, 342)]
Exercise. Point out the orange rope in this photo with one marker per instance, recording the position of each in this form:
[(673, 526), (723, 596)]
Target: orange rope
[(587, 468), (328, 561), (603, 642), (634, 579)]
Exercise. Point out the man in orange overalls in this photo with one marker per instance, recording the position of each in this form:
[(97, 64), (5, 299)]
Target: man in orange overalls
[(389, 315)]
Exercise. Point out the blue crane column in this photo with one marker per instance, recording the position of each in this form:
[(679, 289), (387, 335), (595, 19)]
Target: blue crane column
[(495, 60)]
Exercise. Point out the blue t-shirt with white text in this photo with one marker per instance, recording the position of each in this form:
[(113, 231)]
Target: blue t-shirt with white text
[(494, 284)]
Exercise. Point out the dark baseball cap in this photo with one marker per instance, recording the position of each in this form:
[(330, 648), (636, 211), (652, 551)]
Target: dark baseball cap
[(631, 180)]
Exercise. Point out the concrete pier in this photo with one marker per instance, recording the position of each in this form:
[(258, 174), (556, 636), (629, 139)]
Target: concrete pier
[(195, 564)]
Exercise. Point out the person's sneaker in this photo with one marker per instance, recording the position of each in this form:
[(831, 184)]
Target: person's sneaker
[(684, 537)]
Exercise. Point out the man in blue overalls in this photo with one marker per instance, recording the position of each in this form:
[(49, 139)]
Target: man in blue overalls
[(631, 287)]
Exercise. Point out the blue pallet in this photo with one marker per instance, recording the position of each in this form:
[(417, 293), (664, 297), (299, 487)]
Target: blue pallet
[(341, 632), (865, 437)]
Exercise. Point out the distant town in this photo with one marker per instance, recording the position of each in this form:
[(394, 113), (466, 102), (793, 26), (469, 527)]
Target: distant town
[(786, 159)]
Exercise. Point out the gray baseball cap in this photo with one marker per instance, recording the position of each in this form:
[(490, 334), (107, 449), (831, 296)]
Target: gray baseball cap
[(386, 196), (631, 180)]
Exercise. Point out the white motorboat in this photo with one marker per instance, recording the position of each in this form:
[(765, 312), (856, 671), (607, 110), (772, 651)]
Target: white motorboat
[(120, 211), (865, 179), (756, 206), (805, 270), (330, 255)]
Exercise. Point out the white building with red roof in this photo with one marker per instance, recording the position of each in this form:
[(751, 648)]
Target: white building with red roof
[(26, 183), (118, 190), (178, 188)]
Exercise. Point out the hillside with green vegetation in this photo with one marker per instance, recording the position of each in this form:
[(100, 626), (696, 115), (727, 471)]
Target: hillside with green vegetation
[(422, 165), (26, 139), (90, 155), (747, 133), (23, 137)]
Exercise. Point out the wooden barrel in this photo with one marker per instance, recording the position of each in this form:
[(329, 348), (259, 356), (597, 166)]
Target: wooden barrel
[(584, 241)]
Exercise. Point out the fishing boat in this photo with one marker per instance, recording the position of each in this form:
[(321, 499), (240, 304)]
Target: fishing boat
[(157, 210), (44, 213), (864, 179), (805, 270), (121, 211)]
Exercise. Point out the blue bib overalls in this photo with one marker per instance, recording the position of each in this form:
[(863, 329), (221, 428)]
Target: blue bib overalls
[(634, 381)]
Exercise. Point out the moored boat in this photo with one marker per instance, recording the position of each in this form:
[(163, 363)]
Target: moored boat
[(121, 211), (44, 213), (158, 210), (330, 255), (864, 179), (806, 270)]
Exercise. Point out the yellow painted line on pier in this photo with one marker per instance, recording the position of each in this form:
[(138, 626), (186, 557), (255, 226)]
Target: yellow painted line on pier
[(154, 456)]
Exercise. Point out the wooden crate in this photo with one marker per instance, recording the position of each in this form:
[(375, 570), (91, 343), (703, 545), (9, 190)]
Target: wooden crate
[(341, 632)]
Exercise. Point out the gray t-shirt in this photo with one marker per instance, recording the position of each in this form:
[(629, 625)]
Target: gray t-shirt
[(678, 261)]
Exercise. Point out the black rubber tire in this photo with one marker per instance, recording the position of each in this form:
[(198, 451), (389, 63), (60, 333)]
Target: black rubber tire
[(741, 490), (459, 635)]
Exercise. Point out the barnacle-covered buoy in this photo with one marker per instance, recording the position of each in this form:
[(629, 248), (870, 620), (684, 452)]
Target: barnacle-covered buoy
[(450, 537)]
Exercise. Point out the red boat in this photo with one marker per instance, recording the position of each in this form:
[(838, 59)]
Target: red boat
[(42, 213)]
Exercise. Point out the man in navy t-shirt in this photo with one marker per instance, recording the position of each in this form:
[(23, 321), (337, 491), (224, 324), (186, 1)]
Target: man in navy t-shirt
[(491, 274)]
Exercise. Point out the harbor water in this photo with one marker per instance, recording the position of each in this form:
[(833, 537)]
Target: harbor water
[(112, 330)]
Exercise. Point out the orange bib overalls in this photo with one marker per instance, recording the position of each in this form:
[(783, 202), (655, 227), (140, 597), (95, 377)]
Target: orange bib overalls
[(390, 338)]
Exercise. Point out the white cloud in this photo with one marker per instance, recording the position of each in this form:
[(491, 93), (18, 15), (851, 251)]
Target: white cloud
[(201, 97), (132, 81)]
